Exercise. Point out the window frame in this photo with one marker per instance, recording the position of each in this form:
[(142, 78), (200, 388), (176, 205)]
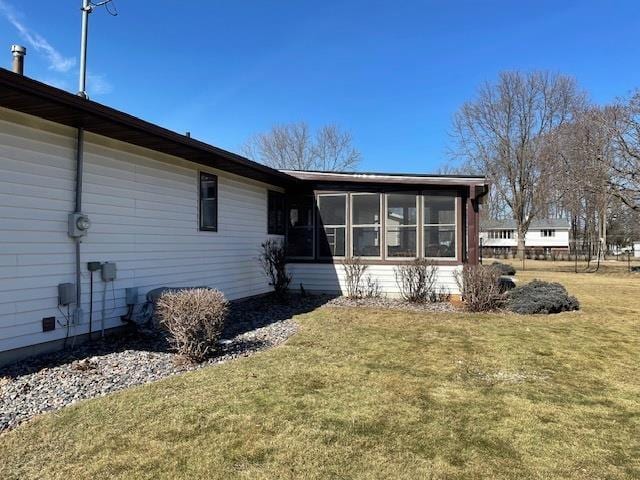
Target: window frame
[(201, 226), (367, 225), (418, 196), (270, 195), (548, 233), (319, 227), (456, 219)]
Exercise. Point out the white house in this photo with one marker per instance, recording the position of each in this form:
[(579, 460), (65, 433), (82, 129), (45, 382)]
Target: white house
[(98, 207), (544, 236)]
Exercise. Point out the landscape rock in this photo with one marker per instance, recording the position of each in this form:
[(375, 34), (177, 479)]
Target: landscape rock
[(49, 382)]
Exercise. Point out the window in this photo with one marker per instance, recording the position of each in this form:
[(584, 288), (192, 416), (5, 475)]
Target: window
[(208, 202), (501, 234), (548, 233), (402, 225), (365, 220), (275, 218), (332, 225), (440, 226), (300, 227)]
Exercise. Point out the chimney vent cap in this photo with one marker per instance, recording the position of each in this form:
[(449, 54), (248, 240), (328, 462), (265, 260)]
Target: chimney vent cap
[(18, 50)]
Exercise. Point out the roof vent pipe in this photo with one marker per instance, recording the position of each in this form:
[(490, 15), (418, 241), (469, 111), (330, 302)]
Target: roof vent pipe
[(18, 52)]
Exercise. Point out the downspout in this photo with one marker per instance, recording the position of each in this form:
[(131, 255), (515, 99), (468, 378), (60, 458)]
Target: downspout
[(77, 215), (78, 211)]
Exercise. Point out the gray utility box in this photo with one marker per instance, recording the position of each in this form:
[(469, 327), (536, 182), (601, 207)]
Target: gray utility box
[(131, 295), (66, 293), (108, 271), (78, 224)]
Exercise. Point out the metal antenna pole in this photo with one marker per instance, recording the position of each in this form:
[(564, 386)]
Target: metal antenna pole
[(86, 10)]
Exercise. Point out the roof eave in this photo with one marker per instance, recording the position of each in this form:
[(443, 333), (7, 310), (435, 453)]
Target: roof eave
[(29, 96)]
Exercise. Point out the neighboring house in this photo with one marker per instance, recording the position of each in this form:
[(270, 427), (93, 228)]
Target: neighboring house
[(544, 236), (632, 248), (168, 210)]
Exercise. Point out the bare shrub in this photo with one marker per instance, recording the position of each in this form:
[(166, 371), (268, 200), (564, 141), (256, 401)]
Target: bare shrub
[(416, 280), (274, 263), (194, 319), (372, 288), (441, 295), (480, 288), (354, 271), (358, 283)]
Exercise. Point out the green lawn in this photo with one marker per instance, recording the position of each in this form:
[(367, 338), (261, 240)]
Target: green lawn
[(374, 394)]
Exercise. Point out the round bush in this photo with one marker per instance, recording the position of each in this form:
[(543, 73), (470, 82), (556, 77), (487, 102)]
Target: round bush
[(194, 319), (503, 268), (541, 297)]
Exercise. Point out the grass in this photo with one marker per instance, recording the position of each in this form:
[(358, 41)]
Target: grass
[(373, 394)]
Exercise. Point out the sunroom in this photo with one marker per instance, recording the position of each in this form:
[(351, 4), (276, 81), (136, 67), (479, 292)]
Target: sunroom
[(382, 219)]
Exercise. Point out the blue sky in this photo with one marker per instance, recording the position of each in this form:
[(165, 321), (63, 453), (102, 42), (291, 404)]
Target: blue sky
[(393, 73)]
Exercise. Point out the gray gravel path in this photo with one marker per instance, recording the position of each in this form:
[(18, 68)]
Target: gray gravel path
[(52, 381)]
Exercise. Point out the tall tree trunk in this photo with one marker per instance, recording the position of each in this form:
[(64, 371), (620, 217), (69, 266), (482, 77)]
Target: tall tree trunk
[(521, 245)]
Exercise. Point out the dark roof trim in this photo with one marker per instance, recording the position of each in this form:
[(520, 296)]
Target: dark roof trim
[(29, 96), (387, 178), (386, 174), (26, 95)]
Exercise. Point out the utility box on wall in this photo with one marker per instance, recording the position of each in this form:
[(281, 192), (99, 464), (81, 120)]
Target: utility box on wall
[(108, 271), (66, 293)]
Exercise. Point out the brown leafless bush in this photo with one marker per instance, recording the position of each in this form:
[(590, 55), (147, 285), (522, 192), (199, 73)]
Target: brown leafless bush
[(416, 280), (480, 288), (274, 262), (194, 319), (358, 283)]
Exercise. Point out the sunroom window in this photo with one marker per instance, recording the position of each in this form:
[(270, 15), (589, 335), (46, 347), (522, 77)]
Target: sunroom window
[(332, 225), (300, 227), (365, 224), (402, 225), (440, 226)]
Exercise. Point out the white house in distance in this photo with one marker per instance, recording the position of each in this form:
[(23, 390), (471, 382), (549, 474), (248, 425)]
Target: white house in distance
[(544, 236)]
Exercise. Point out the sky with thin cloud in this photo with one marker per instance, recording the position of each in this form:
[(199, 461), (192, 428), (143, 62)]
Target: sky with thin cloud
[(392, 73)]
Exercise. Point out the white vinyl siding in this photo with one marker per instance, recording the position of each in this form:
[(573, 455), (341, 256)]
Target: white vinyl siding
[(143, 208), (330, 278)]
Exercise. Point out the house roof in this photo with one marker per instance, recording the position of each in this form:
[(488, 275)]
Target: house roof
[(32, 97), (414, 179), (26, 95), (510, 224)]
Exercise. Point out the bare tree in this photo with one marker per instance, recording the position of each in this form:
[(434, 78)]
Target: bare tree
[(582, 174), (624, 126), (504, 131), (293, 146)]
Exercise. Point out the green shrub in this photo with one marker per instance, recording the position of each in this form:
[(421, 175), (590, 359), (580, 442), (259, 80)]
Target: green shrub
[(541, 297), (503, 268), (194, 319)]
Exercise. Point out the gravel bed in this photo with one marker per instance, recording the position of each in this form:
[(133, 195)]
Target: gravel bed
[(50, 382), (391, 304)]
